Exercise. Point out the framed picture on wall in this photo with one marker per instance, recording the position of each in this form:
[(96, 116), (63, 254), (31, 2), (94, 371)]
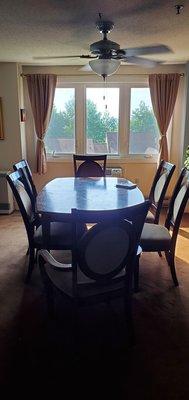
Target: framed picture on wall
[(1, 120)]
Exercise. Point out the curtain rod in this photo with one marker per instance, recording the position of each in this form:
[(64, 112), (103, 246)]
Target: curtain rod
[(25, 75)]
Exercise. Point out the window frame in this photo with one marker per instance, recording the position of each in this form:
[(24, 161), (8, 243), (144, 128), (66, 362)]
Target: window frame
[(80, 86)]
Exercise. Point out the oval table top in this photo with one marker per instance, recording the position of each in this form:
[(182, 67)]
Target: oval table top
[(62, 194)]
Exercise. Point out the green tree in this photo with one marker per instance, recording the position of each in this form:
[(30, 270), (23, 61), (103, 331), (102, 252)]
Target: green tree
[(55, 128), (94, 123), (110, 124), (98, 124), (143, 120), (68, 121), (62, 122), (186, 162)]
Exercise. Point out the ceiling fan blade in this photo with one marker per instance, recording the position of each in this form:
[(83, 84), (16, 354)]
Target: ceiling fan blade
[(86, 68), (143, 62), (54, 57), (157, 49)]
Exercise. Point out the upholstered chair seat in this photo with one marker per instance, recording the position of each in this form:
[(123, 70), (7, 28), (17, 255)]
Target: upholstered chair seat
[(60, 234), (155, 238)]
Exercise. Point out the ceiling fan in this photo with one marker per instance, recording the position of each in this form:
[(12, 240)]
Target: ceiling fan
[(106, 56)]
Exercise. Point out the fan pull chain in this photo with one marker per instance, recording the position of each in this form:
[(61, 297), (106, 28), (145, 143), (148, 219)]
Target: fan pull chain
[(104, 95)]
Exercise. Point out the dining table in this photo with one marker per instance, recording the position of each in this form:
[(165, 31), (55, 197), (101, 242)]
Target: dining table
[(61, 195)]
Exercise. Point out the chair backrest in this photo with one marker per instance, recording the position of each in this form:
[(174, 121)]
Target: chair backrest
[(92, 166), (24, 166), (110, 246), (18, 186), (178, 203), (159, 187)]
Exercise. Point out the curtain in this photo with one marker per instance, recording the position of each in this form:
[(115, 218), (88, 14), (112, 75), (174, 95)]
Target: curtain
[(163, 90), (41, 90)]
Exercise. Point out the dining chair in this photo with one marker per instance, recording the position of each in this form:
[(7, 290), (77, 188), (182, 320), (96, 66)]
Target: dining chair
[(24, 167), (159, 238), (102, 260), (158, 190), (89, 166), (27, 180), (60, 232)]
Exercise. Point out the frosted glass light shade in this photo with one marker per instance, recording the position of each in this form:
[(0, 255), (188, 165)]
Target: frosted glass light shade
[(104, 67)]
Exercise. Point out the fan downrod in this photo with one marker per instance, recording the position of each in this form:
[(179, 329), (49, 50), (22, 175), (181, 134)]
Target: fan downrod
[(104, 26)]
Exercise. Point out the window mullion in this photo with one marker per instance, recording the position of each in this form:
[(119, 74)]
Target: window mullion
[(79, 118), (124, 115)]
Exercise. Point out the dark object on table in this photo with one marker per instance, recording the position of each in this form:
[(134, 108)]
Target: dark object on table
[(125, 184)]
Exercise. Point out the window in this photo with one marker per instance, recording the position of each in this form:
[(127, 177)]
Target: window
[(144, 133), (116, 119), (102, 117), (60, 136)]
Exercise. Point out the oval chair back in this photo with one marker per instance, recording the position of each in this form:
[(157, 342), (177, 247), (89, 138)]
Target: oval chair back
[(111, 245)]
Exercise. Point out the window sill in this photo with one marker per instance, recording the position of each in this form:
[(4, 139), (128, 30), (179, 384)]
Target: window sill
[(114, 160)]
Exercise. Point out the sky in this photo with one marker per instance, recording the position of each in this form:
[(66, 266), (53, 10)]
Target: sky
[(62, 95)]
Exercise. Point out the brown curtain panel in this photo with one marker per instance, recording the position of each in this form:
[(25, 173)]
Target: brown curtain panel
[(163, 90), (41, 90)]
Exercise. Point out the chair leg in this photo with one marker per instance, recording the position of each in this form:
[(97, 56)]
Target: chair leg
[(31, 264), (50, 301), (75, 328), (160, 253), (136, 274), (48, 290), (128, 303), (129, 319), (36, 254), (171, 262)]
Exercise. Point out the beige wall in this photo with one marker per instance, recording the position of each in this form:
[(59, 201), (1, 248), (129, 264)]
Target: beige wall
[(10, 147)]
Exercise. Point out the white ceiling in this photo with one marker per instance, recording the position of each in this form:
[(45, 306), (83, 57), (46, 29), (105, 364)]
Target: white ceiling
[(30, 28)]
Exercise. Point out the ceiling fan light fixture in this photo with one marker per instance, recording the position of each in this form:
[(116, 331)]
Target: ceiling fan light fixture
[(104, 67)]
